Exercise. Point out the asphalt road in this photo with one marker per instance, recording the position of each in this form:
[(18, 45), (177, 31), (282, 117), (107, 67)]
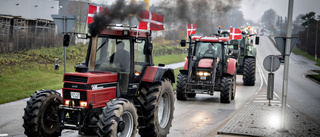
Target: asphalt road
[(204, 115), (303, 94)]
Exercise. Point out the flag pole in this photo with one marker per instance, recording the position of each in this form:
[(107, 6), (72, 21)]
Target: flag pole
[(187, 29)]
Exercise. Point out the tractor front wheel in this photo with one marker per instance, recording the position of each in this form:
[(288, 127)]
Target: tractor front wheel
[(226, 90), (159, 105), (118, 119), (181, 87), (249, 71), (41, 114)]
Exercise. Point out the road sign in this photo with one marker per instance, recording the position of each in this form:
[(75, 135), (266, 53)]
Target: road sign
[(281, 43), (271, 63), (64, 22)]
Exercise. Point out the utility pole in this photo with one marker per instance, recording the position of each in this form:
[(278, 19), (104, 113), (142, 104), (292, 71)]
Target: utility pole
[(286, 67), (307, 36), (315, 46)]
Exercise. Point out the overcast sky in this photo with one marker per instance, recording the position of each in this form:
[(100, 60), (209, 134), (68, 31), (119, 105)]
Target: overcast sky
[(254, 9)]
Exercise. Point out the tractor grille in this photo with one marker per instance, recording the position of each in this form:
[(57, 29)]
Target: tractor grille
[(67, 95), (75, 78)]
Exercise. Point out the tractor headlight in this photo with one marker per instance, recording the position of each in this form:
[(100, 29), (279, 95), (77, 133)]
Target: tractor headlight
[(200, 73), (203, 73), (83, 103), (67, 102)]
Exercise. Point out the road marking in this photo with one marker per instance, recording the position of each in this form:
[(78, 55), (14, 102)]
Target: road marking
[(4, 135), (265, 101), (262, 95), (260, 98), (260, 73)]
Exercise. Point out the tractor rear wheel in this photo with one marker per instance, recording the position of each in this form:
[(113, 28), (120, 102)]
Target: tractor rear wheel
[(118, 119), (226, 90), (249, 71), (181, 87), (41, 114), (159, 105)]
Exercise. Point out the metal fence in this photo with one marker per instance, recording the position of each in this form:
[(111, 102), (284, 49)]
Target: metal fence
[(17, 34)]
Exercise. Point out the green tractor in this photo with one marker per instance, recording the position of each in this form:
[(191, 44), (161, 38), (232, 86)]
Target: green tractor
[(246, 58)]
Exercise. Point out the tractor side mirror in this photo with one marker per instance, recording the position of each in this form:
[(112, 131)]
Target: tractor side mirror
[(257, 40), (230, 52), (183, 43), (148, 49)]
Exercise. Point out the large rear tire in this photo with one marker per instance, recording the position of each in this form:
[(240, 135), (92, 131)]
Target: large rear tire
[(41, 114), (226, 90), (181, 87), (118, 119), (249, 71), (159, 105)]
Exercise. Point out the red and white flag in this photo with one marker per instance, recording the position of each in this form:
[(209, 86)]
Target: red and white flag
[(91, 11), (192, 29), (150, 21), (235, 34)]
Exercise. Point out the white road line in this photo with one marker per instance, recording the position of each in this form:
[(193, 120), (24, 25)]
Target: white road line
[(260, 73), (262, 95), (265, 101), (4, 135)]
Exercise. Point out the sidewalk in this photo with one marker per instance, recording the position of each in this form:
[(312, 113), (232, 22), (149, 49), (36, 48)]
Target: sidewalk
[(259, 119)]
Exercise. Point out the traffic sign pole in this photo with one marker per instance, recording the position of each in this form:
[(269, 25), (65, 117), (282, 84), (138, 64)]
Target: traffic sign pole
[(65, 24), (286, 68)]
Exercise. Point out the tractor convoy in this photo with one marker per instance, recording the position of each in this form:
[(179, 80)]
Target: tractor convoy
[(116, 91)]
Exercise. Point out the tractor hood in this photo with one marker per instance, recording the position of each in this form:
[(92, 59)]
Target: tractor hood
[(90, 77), (205, 63)]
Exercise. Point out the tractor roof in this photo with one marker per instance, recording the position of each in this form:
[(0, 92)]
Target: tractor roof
[(124, 32), (210, 38)]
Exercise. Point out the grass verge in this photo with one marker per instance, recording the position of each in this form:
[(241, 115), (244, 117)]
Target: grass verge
[(25, 72), (176, 73)]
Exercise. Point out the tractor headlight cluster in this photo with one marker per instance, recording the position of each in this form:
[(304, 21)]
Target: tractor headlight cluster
[(201, 73)]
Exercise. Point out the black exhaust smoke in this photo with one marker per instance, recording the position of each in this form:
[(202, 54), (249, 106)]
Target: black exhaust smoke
[(117, 11), (207, 14)]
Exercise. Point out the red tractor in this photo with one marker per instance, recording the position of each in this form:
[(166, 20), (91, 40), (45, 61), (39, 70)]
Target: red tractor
[(116, 91), (208, 68)]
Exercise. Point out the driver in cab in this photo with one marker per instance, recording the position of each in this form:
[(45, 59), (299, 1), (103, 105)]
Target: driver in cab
[(121, 57), (211, 52)]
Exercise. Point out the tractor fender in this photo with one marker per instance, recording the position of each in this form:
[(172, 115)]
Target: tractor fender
[(185, 67), (254, 52), (156, 74), (231, 66)]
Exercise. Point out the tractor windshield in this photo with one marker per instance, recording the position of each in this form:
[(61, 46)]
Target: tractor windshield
[(208, 50), (112, 55)]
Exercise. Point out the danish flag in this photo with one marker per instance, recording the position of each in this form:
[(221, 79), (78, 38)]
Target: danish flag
[(192, 29), (91, 11), (150, 21), (235, 34)]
